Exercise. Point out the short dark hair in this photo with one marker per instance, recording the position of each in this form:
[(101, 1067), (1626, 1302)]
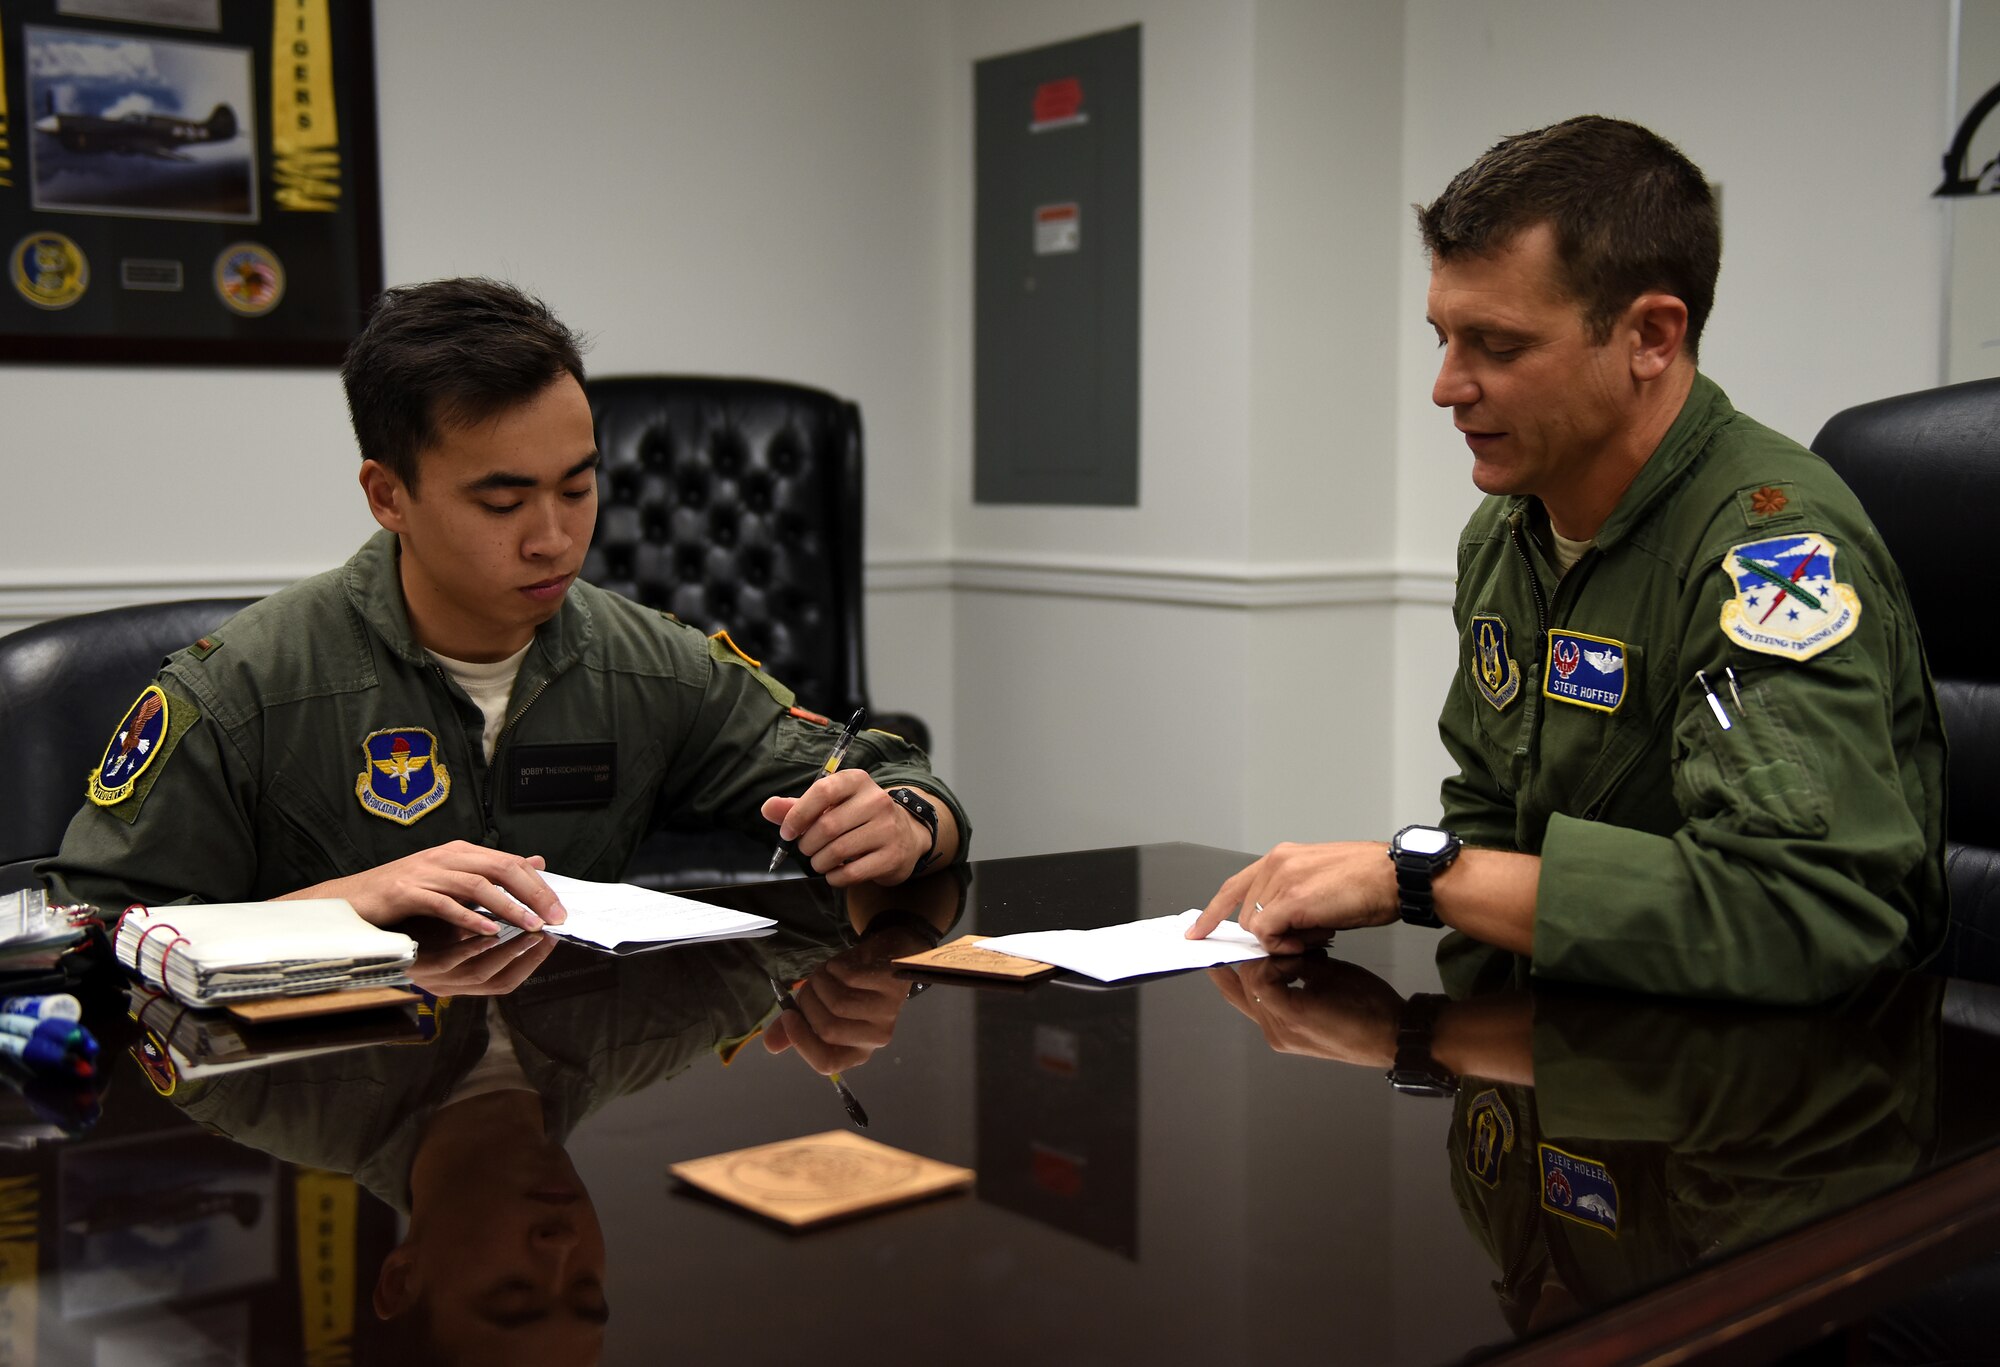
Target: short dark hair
[(1630, 214), (449, 353)]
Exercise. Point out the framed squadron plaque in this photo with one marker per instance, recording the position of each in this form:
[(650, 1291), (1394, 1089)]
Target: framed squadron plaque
[(187, 182)]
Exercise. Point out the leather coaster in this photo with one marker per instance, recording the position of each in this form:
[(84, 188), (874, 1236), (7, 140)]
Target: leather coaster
[(818, 1178), (317, 1004), (964, 956)]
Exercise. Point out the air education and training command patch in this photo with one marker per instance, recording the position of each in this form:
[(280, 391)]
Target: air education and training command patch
[(402, 774), (133, 748), (1787, 601), (1579, 1189), (1586, 670), (1494, 672)]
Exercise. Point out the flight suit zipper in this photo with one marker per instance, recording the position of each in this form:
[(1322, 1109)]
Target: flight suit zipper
[(1534, 580), (486, 793)]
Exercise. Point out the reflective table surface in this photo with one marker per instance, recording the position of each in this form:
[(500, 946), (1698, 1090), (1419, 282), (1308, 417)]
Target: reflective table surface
[(1208, 1167)]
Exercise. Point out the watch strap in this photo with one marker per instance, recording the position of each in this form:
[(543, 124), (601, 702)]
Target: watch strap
[(920, 807)]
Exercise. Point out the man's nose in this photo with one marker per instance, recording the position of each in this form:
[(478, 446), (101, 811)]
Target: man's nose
[(549, 536), (1454, 386)]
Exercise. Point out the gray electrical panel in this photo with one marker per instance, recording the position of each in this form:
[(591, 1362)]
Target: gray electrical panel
[(1056, 274)]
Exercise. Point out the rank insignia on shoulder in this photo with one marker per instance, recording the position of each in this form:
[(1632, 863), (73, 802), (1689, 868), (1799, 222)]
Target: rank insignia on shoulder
[(1579, 1189), (403, 775), (1586, 670), (1494, 672), (1489, 1136), (1766, 501), (134, 747), (1787, 601)]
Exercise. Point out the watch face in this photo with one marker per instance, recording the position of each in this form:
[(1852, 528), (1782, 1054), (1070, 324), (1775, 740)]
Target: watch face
[(1423, 840)]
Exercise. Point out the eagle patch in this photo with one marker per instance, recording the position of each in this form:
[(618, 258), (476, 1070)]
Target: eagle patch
[(134, 746)]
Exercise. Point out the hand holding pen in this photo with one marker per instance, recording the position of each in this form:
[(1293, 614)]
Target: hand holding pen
[(832, 765)]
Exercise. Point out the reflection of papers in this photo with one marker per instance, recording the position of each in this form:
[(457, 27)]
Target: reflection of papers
[(613, 914), (1154, 945)]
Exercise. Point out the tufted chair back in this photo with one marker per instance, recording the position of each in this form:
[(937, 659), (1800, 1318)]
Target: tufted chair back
[(63, 686), (1926, 466), (736, 505)]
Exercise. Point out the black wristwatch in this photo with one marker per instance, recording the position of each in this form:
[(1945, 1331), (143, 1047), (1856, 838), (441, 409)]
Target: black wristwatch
[(918, 806), (1420, 854), (1415, 1072)]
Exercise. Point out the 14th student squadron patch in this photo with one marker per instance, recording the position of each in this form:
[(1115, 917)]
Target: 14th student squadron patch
[(133, 748), (1787, 600)]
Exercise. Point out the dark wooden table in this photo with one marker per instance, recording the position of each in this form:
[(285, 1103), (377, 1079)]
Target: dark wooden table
[(1156, 1181)]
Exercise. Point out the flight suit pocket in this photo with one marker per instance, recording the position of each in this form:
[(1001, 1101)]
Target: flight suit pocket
[(1754, 775)]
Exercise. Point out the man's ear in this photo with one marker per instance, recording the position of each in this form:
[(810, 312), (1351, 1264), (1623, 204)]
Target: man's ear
[(1657, 326), (387, 495), (396, 1283)]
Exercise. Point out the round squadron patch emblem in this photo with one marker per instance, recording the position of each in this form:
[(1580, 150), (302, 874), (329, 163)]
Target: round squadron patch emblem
[(1787, 601), (248, 279), (133, 748), (402, 774), (48, 270)]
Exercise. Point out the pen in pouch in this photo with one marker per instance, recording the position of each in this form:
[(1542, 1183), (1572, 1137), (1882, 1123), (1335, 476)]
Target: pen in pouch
[(847, 1097), (1714, 703), (832, 765)]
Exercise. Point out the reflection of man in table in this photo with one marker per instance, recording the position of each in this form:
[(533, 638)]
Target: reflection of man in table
[(1600, 1146), (1697, 747)]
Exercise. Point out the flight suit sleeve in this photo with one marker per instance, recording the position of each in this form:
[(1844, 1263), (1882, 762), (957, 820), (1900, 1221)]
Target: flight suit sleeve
[(185, 833), (1796, 870), (1475, 809), (747, 744)]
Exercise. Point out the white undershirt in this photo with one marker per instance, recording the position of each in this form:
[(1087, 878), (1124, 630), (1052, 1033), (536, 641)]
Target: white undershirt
[(497, 1070), (1568, 552), (489, 686)]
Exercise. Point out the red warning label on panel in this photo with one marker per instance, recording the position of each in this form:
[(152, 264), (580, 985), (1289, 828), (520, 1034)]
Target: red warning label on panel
[(1058, 104), (1058, 228)]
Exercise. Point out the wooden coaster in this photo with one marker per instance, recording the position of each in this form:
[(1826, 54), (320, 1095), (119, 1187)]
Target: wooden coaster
[(820, 1177), (963, 955), (317, 1004)]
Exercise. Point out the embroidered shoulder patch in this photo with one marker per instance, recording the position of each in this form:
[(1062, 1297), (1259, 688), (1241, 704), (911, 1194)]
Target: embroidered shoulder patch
[(1579, 1189), (135, 745), (1787, 601), (403, 774), (1494, 671), (1586, 670), (1489, 1138)]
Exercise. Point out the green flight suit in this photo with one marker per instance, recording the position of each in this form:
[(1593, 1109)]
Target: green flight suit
[(260, 784), (1684, 1133), (1783, 859)]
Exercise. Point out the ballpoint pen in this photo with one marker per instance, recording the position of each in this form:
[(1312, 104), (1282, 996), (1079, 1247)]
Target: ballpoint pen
[(832, 764), (847, 1097)]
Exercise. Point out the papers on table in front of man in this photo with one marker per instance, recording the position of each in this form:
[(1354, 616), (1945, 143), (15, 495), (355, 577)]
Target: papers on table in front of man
[(224, 951), (1158, 944), (612, 914)]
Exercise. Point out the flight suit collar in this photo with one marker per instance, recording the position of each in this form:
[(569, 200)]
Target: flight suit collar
[(376, 590), (1705, 409)]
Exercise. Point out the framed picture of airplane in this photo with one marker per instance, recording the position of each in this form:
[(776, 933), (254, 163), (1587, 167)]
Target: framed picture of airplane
[(187, 182)]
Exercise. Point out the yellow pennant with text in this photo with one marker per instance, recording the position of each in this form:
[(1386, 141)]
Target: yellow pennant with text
[(305, 134), (6, 148), (326, 1222), (20, 1240)]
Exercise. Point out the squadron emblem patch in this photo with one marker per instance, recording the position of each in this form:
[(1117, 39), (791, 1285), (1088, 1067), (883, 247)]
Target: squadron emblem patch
[(1586, 670), (402, 774), (133, 748), (1494, 672), (1787, 600), (1579, 1189), (1489, 1136)]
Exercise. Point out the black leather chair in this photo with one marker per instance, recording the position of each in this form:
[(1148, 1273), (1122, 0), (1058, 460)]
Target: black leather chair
[(736, 505), (63, 685), (1926, 466)]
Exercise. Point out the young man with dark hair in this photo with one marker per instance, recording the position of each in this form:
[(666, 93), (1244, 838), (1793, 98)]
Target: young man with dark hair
[(1698, 747), (423, 729)]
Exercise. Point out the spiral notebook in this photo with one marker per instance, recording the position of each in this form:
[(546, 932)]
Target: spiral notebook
[(223, 951)]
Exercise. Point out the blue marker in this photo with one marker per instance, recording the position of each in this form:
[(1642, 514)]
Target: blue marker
[(50, 1006)]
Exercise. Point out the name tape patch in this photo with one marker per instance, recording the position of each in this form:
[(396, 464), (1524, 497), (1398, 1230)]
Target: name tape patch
[(1579, 1189), (1588, 671)]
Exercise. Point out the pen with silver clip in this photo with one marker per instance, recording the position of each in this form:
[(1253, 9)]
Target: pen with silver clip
[(1715, 703), (847, 1097), (832, 764)]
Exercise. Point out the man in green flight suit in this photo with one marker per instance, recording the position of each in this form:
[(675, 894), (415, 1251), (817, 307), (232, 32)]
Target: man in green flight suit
[(1698, 749), (422, 730)]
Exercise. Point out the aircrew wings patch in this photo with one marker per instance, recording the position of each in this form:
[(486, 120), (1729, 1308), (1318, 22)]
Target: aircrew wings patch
[(1787, 601)]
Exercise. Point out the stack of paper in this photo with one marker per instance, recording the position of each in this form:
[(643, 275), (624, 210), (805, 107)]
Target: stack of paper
[(206, 1043), (614, 914), (228, 950), (1158, 944)]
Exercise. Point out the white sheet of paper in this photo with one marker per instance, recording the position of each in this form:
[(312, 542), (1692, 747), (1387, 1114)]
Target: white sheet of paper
[(1154, 945), (613, 914)]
